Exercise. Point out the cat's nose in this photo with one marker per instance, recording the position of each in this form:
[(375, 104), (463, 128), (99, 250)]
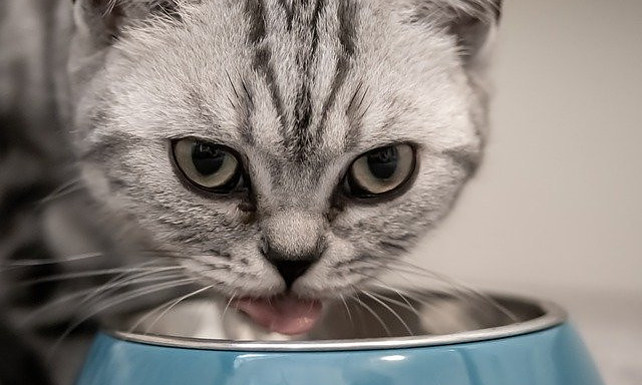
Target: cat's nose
[(290, 267), (292, 270), (292, 242)]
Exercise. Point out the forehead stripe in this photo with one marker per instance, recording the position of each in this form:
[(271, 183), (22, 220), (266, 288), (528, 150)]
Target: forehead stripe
[(262, 62), (355, 113), (289, 13), (303, 105), (347, 15), (256, 15), (243, 104)]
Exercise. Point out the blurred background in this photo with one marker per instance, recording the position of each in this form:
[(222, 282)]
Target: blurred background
[(556, 210)]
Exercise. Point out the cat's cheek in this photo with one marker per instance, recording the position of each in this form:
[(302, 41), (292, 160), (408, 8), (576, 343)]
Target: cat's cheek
[(236, 281), (248, 272)]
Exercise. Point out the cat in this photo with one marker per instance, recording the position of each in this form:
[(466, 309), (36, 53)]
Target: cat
[(265, 150)]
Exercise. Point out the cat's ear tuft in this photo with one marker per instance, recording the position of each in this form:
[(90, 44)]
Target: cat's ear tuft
[(103, 20), (472, 22)]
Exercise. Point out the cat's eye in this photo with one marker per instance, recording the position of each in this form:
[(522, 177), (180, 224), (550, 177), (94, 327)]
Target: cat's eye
[(211, 167), (381, 171)]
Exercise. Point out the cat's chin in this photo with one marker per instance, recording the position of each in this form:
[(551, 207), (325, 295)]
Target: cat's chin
[(283, 314)]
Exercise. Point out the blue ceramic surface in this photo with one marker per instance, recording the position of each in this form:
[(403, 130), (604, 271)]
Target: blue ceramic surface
[(555, 356)]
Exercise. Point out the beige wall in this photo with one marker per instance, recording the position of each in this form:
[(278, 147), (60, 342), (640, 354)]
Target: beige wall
[(558, 201)]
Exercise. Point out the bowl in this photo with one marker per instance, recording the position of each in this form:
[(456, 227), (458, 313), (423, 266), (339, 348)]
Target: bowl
[(377, 338)]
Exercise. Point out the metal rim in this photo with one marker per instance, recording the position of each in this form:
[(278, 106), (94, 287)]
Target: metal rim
[(553, 315)]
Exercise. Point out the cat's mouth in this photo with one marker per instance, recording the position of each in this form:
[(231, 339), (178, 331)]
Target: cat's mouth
[(284, 314)]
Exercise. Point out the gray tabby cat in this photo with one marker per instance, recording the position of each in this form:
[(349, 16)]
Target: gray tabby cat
[(267, 150)]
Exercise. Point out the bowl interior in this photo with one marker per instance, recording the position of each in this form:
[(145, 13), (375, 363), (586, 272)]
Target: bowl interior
[(369, 320)]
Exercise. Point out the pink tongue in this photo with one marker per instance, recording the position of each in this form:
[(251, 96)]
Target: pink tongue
[(285, 314)]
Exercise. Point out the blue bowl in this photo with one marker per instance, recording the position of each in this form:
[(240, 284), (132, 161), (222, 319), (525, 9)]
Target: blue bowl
[(435, 339)]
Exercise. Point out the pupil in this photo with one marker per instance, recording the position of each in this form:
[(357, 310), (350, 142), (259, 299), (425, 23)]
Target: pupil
[(383, 163), (207, 159)]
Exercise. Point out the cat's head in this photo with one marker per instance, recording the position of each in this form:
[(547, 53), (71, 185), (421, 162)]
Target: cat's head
[(281, 145)]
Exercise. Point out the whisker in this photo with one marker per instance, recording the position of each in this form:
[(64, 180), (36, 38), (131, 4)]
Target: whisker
[(119, 300), (65, 189), (433, 307), (360, 315), (44, 262), (457, 287), (385, 286), (391, 310), (125, 280), (227, 305), (345, 305), (374, 314), (120, 279), (179, 300), (149, 314), (86, 295), (406, 294), (398, 292), (463, 290), (405, 305), (85, 274)]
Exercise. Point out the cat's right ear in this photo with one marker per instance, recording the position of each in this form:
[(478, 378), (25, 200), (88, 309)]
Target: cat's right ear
[(471, 22), (102, 21), (99, 21)]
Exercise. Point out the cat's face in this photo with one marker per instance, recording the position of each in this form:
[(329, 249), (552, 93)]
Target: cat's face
[(245, 135)]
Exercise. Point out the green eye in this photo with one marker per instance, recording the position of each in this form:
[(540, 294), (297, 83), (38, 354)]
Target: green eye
[(208, 166), (381, 171)]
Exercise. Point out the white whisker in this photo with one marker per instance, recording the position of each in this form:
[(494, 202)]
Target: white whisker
[(227, 305), (65, 189), (391, 310), (374, 314), (467, 291), (119, 300), (405, 305), (457, 287), (44, 262), (173, 304), (345, 305), (87, 295), (85, 274), (123, 280)]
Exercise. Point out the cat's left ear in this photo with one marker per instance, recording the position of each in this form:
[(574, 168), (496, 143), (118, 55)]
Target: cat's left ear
[(472, 22)]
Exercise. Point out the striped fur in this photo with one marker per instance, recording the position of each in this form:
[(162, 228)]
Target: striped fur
[(92, 90)]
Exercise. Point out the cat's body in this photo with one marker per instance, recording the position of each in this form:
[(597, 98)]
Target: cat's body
[(290, 93)]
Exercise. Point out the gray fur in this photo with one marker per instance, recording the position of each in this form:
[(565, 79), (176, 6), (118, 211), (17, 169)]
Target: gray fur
[(298, 88)]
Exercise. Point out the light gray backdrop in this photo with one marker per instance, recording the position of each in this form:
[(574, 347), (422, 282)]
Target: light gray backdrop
[(556, 210)]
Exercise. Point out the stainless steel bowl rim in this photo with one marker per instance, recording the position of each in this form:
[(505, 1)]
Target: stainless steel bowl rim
[(553, 316)]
